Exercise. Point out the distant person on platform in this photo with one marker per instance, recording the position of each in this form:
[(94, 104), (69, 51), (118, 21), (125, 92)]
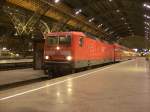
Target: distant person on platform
[(147, 57)]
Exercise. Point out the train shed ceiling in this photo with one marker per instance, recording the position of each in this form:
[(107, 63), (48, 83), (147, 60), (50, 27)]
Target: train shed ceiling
[(112, 18), (124, 17)]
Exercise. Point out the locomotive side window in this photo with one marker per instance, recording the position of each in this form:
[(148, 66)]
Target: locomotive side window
[(81, 42)]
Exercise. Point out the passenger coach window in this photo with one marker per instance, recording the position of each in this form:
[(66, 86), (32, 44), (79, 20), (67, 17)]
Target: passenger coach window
[(81, 42)]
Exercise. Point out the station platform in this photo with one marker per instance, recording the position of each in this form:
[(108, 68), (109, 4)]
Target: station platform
[(122, 87), (4, 61)]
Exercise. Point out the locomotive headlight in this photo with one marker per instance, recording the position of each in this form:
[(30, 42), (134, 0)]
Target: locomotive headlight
[(46, 57), (69, 58), (58, 48)]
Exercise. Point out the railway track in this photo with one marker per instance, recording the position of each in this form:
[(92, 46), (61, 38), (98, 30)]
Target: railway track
[(21, 83), (13, 66)]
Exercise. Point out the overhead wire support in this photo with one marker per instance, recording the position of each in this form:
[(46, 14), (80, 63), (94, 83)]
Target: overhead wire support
[(26, 26), (43, 8)]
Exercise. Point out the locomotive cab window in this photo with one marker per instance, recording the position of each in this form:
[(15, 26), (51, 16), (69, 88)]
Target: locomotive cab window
[(59, 40), (64, 40), (52, 40), (81, 42)]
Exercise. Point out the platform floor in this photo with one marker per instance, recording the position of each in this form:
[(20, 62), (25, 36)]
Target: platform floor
[(15, 61), (122, 87)]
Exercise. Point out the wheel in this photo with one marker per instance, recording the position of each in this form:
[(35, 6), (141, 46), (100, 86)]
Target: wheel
[(73, 70), (50, 73), (45, 71), (89, 67)]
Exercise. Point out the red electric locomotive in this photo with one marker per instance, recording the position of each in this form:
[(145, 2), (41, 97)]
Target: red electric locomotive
[(72, 50)]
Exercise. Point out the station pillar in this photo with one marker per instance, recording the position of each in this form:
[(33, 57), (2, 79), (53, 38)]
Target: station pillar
[(38, 47)]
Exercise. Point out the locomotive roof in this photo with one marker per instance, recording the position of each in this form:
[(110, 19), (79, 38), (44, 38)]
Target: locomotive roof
[(89, 35)]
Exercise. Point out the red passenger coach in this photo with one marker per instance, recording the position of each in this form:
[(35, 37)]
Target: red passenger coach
[(118, 52), (72, 50), (122, 53)]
